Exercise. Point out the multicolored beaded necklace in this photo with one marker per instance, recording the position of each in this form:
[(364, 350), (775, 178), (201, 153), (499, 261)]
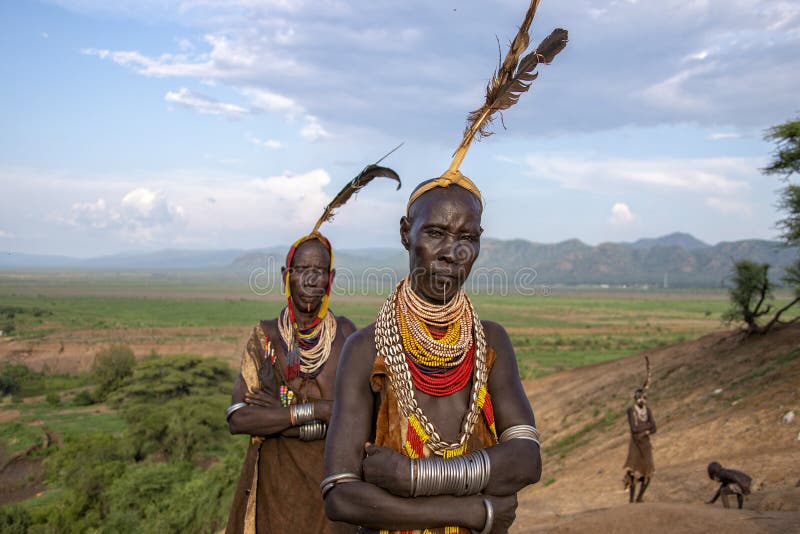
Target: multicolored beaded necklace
[(425, 360), (307, 350)]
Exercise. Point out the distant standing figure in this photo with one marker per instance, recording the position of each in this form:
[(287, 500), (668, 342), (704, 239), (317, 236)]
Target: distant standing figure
[(731, 482), (639, 466)]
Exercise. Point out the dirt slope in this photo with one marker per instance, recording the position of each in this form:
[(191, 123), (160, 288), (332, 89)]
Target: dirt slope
[(716, 398)]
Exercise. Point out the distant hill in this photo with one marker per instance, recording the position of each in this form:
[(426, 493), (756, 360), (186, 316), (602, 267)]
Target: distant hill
[(674, 260), (677, 239), (651, 262)]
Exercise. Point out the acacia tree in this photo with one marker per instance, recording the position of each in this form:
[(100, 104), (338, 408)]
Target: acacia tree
[(751, 289)]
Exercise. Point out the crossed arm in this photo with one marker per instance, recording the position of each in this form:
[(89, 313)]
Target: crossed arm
[(380, 499), (264, 415), (639, 431)]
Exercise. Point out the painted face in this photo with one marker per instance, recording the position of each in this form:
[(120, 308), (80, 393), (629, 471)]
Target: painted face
[(442, 234), (640, 398), (308, 275)]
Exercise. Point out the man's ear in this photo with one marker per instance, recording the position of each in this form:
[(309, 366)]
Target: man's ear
[(405, 228)]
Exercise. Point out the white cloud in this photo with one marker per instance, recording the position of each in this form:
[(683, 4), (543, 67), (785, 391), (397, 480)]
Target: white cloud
[(713, 175), (729, 206), (185, 45), (149, 206), (205, 105), (6, 235), (264, 100), (233, 58), (313, 130), (698, 56), (141, 216), (621, 214), (92, 214), (269, 144), (672, 93), (724, 135)]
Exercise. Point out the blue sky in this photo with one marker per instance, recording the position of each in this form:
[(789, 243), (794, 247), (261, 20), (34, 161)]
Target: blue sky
[(140, 125)]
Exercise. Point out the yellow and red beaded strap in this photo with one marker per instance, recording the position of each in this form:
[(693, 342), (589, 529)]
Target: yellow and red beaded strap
[(323, 309)]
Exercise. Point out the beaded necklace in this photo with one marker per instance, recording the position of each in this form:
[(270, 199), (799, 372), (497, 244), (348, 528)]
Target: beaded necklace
[(389, 343), (306, 356)]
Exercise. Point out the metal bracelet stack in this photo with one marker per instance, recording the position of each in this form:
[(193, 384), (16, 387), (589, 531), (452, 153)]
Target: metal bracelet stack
[(460, 475), (299, 414), (328, 483), (520, 432), (313, 430), (233, 407)]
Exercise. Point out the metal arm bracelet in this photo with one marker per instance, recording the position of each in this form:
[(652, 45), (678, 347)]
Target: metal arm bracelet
[(460, 475), (300, 414), (328, 483), (233, 407), (313, 430), (520, 432), (487, 526)]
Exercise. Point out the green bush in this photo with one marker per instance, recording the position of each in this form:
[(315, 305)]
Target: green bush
[(53, 399), (86, 468), (18, 379), (82, 398), (173, 406), (111, 367), (148, 479), (14, 520)]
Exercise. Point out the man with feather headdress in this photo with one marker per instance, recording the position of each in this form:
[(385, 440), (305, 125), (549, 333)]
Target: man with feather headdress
[(639, 466), (283, 395), (432, 390)]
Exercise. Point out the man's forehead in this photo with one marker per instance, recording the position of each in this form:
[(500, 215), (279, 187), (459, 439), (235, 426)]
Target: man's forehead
[(445, 204), (311, 250)]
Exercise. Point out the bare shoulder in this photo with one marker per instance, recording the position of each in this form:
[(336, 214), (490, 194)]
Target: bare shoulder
[(359, 349), (497, 337), (345, 325), (363, 340)]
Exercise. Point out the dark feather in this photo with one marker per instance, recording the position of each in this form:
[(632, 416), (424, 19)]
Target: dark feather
[(369, 173), (512, 78)]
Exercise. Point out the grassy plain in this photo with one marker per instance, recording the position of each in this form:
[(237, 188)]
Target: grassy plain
[(553, 330)]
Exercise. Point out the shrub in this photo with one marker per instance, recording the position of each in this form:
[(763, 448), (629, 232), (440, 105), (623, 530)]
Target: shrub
[(14, 520), (82, 398), (111, 367), (173, 406), (53, 399), (17, 379)]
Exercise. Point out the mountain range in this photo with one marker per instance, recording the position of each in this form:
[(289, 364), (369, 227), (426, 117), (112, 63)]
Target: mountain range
[(674, 260)]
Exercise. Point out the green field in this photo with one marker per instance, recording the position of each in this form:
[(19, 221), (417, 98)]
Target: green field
[(564, 329)]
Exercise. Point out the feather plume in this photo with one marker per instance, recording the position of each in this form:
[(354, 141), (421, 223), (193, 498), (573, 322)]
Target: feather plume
[(647, 368), (354, 186), (513, 77)]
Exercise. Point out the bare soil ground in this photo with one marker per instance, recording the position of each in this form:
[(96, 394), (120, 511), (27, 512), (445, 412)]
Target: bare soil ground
[(716, 398), (73, 351)]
